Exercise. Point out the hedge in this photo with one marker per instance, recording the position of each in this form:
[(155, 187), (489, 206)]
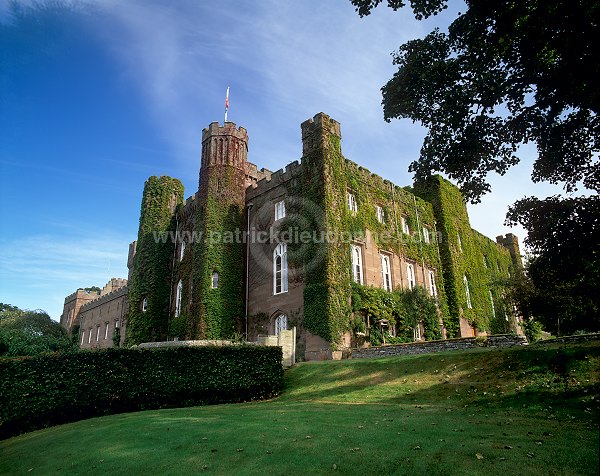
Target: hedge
[(37, 392)]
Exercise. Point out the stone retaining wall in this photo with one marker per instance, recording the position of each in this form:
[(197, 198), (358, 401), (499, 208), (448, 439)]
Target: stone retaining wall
[(570, 339), (427, 347)]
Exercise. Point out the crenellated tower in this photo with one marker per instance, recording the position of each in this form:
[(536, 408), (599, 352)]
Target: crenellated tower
[(219, 258)]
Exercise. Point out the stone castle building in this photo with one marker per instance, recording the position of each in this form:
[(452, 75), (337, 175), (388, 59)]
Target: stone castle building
[(254, 251)]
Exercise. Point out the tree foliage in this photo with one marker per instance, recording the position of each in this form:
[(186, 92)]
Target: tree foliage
[(505, 74), (30, 333)]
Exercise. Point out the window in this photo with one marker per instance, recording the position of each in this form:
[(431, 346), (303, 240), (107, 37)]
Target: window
[(178, 299), (144, 304), (493, 310), (386, 275), (410, 275), (351, 202), (214, 282), (404, 223), (280, 272), (485, 261), (280, 324), (279, 210), (380, 214), (105, 330), (90, 335), (182, 250), (432, 287), (117, 324), (417, 331), (459, 242), (357, 273), (467, 292), (97, 332), (426, 238), (82, 336)]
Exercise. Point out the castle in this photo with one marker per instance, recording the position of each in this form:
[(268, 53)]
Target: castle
[(253, 252)]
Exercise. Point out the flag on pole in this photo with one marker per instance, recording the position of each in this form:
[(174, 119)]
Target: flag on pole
[(226, 103)]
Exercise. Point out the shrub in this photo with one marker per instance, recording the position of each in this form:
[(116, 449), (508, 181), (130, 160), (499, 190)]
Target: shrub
[(532, 329), (37, 392)]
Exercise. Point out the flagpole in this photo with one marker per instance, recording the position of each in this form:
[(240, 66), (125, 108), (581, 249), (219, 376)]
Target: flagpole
[(226, 103)]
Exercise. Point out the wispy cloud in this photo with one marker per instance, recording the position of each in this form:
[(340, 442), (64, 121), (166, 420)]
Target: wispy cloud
[(46, 268)]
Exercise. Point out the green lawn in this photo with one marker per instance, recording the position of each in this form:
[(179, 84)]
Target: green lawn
[(518, 411)]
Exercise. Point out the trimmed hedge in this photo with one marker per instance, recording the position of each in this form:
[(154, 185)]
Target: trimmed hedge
[(38, 392)]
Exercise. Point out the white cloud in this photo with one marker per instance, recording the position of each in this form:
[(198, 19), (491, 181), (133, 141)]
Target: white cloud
[(41, 270)]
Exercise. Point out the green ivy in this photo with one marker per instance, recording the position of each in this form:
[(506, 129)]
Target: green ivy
[(151, 273), (462, 252)]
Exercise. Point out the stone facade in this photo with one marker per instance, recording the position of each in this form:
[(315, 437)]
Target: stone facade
[(220, 288)]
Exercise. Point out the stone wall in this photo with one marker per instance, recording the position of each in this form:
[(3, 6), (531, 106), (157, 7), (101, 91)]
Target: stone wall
[(427, 347), (570, 339)]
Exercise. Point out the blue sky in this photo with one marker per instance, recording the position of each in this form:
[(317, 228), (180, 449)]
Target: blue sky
[(100, 95)]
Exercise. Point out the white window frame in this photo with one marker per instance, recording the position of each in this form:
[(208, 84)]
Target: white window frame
[(280, 210), (117, 323), (214, 284), (280, 324), (410, 275), (144, 304), (182, 250), (380, 214), (386, 272), (178, 295), (83, 336), (426, 237), (106, 330), (459, 243), (280, 270), (357, 271), (485, 262), (467, 292), (432, 286), (97, 332), (493, 309), (404, 223), (90, 336), (351, 200), (417, 332)]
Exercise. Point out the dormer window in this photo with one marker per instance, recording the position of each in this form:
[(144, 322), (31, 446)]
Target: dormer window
[(351, 203), (279, 210), (380, 214)]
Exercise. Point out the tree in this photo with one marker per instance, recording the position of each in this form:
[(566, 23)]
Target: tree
[(31, 333), (508, 73)]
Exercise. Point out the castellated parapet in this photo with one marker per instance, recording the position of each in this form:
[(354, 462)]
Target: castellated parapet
[(274, 179)]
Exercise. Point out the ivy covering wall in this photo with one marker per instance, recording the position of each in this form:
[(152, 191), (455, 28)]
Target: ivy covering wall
[(466, 252), (151, 273)]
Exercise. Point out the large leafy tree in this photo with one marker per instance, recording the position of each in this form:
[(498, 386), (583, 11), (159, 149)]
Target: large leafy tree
[(506, 73), (30, 333)]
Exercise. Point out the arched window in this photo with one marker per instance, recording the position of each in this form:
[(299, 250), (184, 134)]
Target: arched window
[(386, 275), (178, 299), (280, 272), (214, 282), (467, 292), (357, 273), (351, 200), (280, 324), (410, 275), (144, 304)]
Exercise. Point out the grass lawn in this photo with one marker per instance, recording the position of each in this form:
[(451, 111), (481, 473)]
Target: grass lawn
[(517, 411)]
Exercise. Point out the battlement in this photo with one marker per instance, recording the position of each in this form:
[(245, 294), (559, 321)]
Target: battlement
[(117, 293), (112, 285), (80, 294), (229, 129), (273, 179)]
